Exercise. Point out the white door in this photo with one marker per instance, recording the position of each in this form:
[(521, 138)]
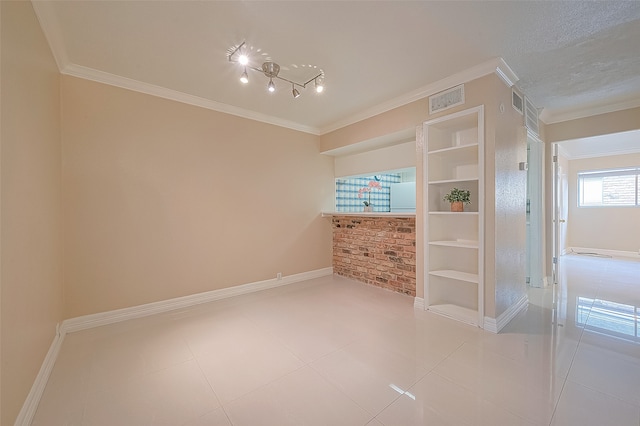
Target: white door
[(560, 212), (563, 209)]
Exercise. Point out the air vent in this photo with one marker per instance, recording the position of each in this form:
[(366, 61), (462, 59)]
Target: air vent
[(517, 102), (447, 99), (531, 116)]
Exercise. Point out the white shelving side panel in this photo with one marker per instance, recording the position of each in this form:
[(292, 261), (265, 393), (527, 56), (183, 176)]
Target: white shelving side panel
[(456, 275), (469, 316)]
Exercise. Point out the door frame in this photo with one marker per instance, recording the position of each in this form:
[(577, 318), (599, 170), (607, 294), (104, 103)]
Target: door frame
[(559, 220), (535, 211)]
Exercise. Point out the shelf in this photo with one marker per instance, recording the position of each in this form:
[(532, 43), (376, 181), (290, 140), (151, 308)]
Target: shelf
[(368, 214), (454, 151), (456, 312), (456, 275), (452, 213), (456, 243), (454, 158), (447, 181)]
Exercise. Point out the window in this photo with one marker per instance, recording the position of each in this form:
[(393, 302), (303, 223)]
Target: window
[(609, 188)]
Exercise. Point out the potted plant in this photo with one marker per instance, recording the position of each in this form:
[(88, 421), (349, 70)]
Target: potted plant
[(457, 198), (368, 207)]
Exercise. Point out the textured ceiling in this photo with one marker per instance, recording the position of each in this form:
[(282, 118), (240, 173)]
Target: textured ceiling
[(571, 57)]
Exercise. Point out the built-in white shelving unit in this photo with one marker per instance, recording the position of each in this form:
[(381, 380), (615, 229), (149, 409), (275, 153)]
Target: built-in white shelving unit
[(454, 157)]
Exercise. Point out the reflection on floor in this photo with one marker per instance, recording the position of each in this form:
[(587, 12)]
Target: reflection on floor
[(336, 352)]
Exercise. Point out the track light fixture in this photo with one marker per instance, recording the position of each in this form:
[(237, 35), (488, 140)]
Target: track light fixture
[(239, 54)]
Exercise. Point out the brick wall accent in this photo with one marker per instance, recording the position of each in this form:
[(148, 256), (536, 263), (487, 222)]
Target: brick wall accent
[(376, 250)]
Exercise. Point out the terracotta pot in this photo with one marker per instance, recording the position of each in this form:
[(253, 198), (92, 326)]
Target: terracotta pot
[(457, 206)]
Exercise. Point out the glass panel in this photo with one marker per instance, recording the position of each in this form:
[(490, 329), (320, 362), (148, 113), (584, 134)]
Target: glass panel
[(351, 193)]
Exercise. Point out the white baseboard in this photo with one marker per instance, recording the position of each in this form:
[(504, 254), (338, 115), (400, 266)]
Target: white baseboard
[(605, 252), (418, 303), (118, 315), (30, 406), (494, 325)]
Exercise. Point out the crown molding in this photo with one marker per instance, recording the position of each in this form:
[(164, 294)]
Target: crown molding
[(49, 24), (174, 95), (495, 65), (548, 116), (505, 72)]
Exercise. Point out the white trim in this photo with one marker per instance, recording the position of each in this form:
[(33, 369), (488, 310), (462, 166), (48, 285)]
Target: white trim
[(549, 116), (497, 65), (49, 24), (418, 303), (118, 315), (51, 30), (605, 252), (600, 155), (480, 70), (494, 325), (30, 405), (174, 95), (562, 151), (505, 72)]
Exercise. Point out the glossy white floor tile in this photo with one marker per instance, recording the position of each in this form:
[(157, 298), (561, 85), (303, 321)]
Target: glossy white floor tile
[(332, 351)]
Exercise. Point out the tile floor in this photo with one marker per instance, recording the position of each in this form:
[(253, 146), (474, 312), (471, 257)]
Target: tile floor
[(336, 352)]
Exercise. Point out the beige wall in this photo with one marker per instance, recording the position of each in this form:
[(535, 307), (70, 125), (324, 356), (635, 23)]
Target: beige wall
[(164, 199), (611, 228), (510, 202), (501, 266), (603, 124), (397, 120), (378, 160), (31, 203)]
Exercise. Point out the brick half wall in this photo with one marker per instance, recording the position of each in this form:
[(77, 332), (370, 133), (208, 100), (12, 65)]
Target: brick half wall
[(380, 251)]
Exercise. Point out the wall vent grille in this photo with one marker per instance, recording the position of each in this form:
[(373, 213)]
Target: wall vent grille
[(531, 116), (517, 102), (446, 99)]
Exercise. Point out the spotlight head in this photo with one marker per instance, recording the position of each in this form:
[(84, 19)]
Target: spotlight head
[(319, 85), (295, 92), (271, 87), (243, 59), (244, 77)]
